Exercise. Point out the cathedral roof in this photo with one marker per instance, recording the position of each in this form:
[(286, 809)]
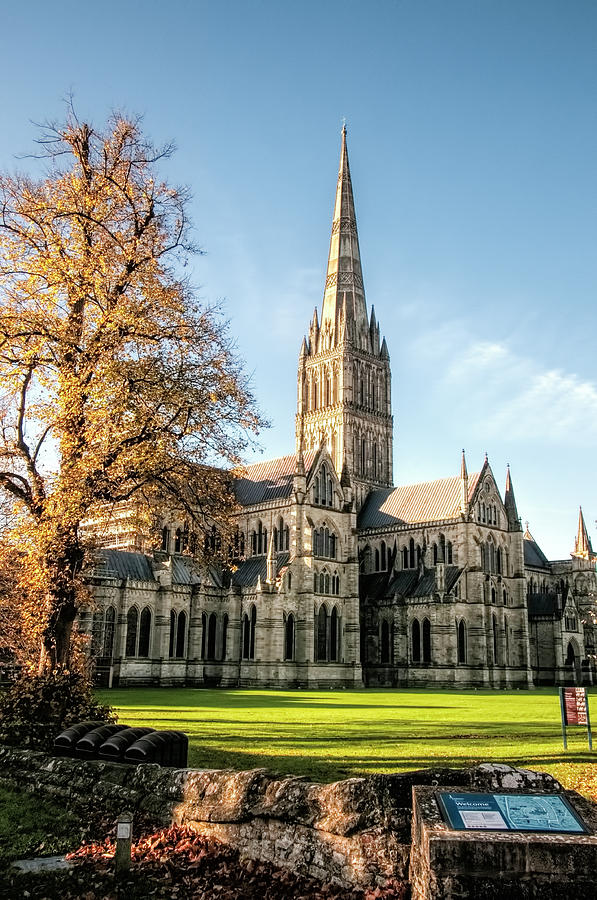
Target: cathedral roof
[(533, 554), (138, 567), (547, 604), (270, 479), (430, 501), (249, 570), (407, 583)]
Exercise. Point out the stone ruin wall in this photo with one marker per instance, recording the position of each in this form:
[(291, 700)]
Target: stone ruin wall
[(355, 832)]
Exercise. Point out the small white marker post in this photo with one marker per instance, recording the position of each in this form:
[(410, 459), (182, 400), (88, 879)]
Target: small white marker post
[(124, 837)]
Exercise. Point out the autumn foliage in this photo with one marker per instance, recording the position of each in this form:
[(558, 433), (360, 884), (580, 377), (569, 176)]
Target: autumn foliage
[(179, 862), (117, 384)]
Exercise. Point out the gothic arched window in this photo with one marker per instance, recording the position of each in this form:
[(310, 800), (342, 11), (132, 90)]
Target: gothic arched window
[(334, 635), (224, 636), (211, 636), (253, 628), (109, 631), (132, 623), (416, 641), (385, 641), (144, 632), (181, 629), (172, 641), (289, 637), (246, 636), (203, 634), (461, 642), (426, 641), (322, 634)]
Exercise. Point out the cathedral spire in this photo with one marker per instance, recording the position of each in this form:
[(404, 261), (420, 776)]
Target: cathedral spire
[(463, 487), (582, 545), (344, 280), (510, 504)]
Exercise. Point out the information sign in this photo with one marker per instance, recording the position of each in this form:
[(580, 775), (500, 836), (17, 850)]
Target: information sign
[(509, 812), (574, 706)]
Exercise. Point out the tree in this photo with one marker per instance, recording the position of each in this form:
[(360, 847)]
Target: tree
[(117, 383)]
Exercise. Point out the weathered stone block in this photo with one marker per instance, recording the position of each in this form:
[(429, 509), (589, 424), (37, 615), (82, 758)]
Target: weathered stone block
[(447, 864)]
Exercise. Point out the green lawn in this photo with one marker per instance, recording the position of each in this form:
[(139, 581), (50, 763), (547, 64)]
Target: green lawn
[(336, 734), (33, 827)]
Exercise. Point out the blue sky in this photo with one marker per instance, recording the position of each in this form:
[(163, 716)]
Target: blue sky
[(472, 140)]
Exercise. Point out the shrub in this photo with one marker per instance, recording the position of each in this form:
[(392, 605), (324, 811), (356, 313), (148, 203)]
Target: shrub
[(36, 708)]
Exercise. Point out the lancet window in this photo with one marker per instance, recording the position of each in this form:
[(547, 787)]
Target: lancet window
[(327, 635), (138, 632), (248, 636), (288, 636), (323, 488), (324, 543), (385, 642), (461, 642), (178, 627)]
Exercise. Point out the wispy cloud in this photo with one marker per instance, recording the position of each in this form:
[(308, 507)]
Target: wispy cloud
[(511, 394)]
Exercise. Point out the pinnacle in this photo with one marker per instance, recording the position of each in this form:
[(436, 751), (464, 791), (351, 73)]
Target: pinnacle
[(583, 541), (510, 503)]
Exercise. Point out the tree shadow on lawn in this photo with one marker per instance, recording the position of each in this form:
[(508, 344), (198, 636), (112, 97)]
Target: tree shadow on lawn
[(431, 733), (187, 699), (322, 767)]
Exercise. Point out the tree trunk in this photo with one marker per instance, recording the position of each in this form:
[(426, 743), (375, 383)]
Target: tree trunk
[(56, 640)]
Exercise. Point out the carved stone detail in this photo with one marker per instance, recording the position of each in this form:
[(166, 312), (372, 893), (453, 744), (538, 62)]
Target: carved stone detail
[(345, 279), (345, 224)]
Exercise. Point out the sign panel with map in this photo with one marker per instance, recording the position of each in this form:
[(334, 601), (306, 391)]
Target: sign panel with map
[(509, 812)]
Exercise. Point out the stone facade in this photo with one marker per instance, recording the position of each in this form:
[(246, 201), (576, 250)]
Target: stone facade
[(337, 578)]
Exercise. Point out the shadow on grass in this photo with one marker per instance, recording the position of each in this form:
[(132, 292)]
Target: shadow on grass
[(322, 768)]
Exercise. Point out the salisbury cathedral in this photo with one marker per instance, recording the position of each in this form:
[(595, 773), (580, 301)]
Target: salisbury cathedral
[(338, 578)]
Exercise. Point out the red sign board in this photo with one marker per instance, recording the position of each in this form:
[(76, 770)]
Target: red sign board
[(575, 706)]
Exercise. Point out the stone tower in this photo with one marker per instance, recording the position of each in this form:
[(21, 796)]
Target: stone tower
[(344, 380)]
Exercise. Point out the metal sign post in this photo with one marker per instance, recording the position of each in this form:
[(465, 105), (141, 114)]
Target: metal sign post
[(574, 708)]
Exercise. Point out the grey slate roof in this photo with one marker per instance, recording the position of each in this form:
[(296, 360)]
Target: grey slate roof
[(137, 567), (256, 566), (125, 564), (430, 501), (182, 572), (533, 554), (269, 480), (407, 583), (544, 605)]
